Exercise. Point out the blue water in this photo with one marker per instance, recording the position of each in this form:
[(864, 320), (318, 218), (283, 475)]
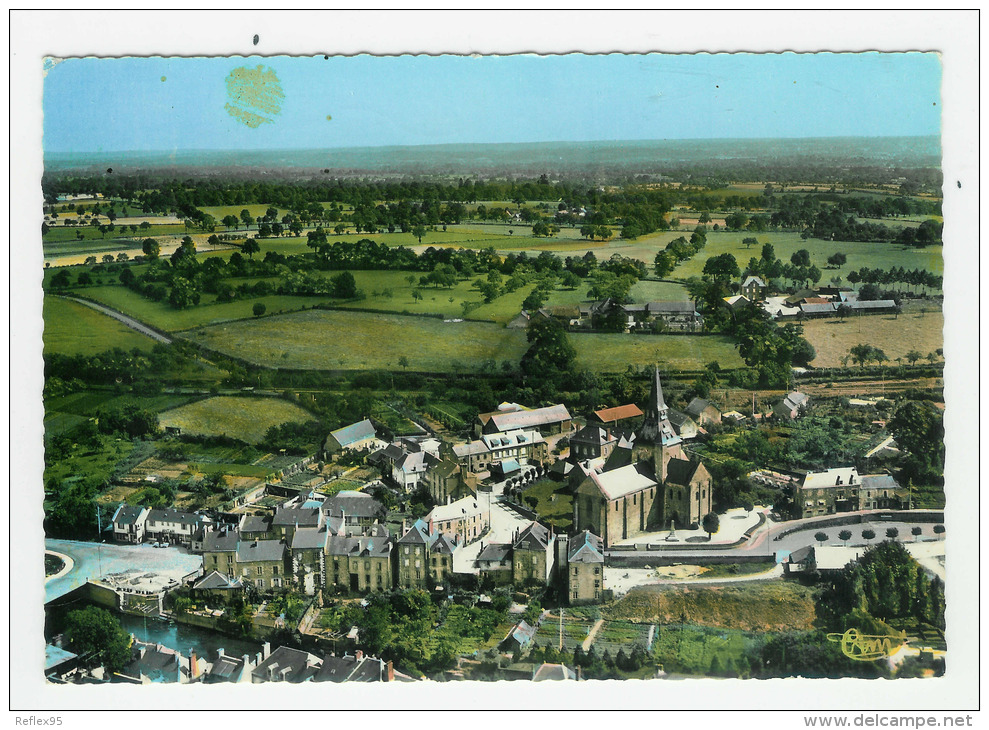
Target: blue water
[(182, 638)]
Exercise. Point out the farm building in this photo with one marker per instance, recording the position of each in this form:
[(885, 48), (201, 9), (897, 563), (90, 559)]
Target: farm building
[(548, 420), (354, 437)]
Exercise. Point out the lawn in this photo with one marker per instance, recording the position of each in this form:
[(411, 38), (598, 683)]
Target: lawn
[(553, 502), (330, 340), (614, 352), (659, 291), (240, 417), (895, 336), (75, 329)]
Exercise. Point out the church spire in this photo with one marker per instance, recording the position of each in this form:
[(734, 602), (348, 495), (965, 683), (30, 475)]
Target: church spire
[(656, 400)]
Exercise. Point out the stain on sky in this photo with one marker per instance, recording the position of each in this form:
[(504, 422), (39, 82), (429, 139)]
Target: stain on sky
[(254, 95)]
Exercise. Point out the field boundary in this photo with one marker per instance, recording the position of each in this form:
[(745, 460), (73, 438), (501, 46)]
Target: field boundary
[(135, 324)]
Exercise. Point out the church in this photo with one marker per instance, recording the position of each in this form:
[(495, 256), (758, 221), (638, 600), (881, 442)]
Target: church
[(621, 498)]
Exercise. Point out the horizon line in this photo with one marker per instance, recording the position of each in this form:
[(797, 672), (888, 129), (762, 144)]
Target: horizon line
[(458, 144)]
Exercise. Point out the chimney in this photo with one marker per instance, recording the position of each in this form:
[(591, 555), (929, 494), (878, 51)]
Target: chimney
[(578, 672), (266, 649), (358, 655), (271, 672), (193, 669), (247, 662), (390, 671), (285, 672), (142, 651), (258, 659), (219, 653)]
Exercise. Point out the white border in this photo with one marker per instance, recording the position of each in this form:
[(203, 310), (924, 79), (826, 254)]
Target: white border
[(77, 33)]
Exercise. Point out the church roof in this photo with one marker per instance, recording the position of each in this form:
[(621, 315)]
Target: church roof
[(623, 481), (656, 397), (681, 471)]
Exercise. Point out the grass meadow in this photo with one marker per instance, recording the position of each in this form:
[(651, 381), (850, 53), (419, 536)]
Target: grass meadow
[(244, 418), (895, 336), (75, 329), (331, 340)]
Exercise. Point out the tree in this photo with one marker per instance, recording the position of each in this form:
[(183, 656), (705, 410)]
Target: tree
[(61, 279), (939, 529), (259, 309), (916, 531), (845, 536), (419, 231), (800, 258), (151, 248), (868, 534), (250, 247), (821, 537), (750, 241), (711, 524), (230, 221), (246, 217), (95, 631), (722, 268), (913, 356), (837, 260), (403, 362), (892, 532)]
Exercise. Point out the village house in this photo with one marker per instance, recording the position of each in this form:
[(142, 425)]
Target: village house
[(675, 316), (172, 526), (229, 669), (513, 417), (255, 527), (220, 551), (703, 412), (129, 523), (684, 426), (584, 568), (494, 563), (263, 563), (441, 558), (359, 511), (354, 668), (792, 406), (285, 664), (466, 519), (842, 489), (491, 449), (753, 288), (308, 558), (621, 499), (356, 436), (360, 564), (413, 550), (533, 555), (287, 520), (218, 586), (446, 481), (592, 442)]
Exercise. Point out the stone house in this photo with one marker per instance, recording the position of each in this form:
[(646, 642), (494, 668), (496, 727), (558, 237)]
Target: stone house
[(703, 412), (360, 564), (466, 519), (172, 526), (533, 555), (263, 563), (519, 446), (129, 523), (584, 568)]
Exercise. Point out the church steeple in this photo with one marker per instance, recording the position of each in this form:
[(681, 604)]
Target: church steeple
[(656, 426)]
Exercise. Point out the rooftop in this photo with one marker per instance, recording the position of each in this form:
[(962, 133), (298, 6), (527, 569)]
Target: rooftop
[(260, 550), (360, 431), (618, 413), (623, 480)]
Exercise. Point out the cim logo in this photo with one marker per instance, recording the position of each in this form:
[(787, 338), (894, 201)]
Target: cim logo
[(863, 647)]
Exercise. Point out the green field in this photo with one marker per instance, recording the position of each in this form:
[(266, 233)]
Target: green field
[(330, 340), (163, 316), (64, 413), (873, 255), (75, 329), (67, 234), (243, 418), (615, 352), (553, 503), (659, 291)]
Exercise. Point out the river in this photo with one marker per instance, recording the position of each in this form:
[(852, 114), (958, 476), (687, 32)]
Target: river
[(180, 637)]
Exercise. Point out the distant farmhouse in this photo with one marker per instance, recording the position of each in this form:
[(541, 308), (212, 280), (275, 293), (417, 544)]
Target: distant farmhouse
[(356, 436)]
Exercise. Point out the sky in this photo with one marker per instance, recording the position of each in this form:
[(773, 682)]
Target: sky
[(169, 104)]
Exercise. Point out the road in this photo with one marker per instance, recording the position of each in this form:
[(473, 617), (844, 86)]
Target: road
[(91, 560), (124, 319)]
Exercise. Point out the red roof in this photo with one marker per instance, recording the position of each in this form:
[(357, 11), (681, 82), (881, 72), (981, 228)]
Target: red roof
[(618, 413)]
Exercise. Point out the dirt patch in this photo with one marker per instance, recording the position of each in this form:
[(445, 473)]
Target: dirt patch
[(776, 606), (895, 336)]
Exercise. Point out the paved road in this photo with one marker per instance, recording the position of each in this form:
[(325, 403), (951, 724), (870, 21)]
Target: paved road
[(124, 319), (90, 560)]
